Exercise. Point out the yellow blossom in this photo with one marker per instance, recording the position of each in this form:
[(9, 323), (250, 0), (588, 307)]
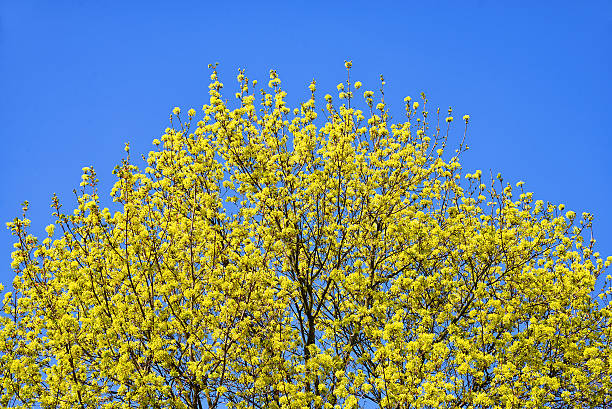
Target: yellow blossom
[(50, 229), (267, 260)]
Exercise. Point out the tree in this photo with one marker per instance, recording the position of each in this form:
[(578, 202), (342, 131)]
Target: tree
[(265, 259)]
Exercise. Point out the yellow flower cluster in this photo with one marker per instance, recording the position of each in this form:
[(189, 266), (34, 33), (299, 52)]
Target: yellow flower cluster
[(263, 259)]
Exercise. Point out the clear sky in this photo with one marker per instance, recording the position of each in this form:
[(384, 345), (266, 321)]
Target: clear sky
[(80, 78)]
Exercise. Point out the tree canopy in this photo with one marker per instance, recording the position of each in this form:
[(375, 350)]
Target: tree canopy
[(270, 257)]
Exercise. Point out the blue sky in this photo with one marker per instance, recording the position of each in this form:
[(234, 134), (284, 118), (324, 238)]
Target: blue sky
[(80, 78)]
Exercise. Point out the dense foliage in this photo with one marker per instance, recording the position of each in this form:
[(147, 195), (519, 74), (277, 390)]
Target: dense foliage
[(272, 258)]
